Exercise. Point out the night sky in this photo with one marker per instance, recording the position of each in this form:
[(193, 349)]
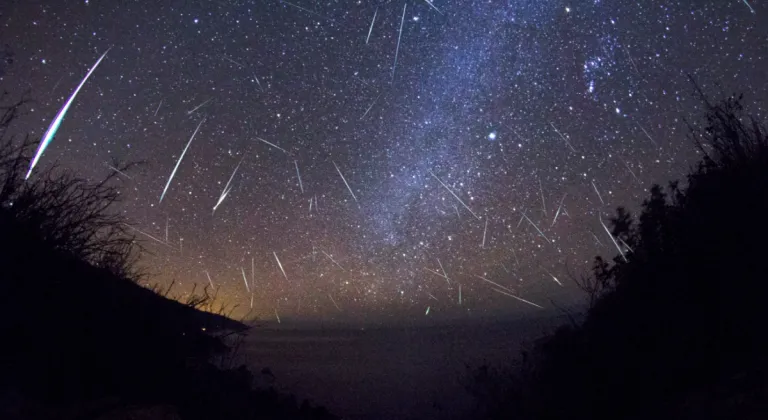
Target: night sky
[(355, 123)]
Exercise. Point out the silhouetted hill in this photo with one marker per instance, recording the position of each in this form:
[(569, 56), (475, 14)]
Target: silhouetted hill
[(80, 339), (676, 326)]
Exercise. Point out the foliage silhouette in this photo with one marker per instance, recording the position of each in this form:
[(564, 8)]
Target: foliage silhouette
[(676, 331), (80, 338)]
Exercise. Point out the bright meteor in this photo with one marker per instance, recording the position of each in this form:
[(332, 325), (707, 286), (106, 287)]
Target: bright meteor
[(51, 132)]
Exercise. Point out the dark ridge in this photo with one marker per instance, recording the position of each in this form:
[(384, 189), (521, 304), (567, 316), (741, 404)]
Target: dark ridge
[(81, 339)]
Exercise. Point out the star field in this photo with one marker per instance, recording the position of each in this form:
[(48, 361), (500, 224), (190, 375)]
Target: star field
[(392, 156)]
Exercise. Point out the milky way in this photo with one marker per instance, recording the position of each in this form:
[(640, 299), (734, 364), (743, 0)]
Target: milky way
[(381, 156)]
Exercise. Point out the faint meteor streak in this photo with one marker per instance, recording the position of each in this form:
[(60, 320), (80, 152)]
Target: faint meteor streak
[(118, 171), (258, 83), (598, 192), (459, 293), (280, 265), (543, 203), (277, 316), (518, 298), (435, 273), (298, 175), (198, 107), (251, 300), (301, 8), (485, 230), (272, 144), (54, 127), (147, 235), (537, 228), (332, 260), (158, 107), (227, 188), (371, 106), (167, 222), (209, 279), (371, 28), (232, 61), (562, 136), (557, 213), (334, 302), (345, 182), (646, 134), (596, 239), (630, 171), (612, 238), (453, 194), (432, 297), (397, 50), (427, 313), (494, 283), (245, 280), (443, 269), (178, 162)]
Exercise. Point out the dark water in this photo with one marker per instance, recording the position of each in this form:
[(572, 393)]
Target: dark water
[(395, 373)]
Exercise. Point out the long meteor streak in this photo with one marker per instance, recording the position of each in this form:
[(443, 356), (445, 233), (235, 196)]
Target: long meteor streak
[(536, 227), (557, 213), (518, 298), (298, 175), (209, 279), (453, 194), (371, 28), (245, 280), (198, 107), (332, 260), (279, 264), (178, 162), (345, 181), (397, 50), (51, 132), (272, 144)]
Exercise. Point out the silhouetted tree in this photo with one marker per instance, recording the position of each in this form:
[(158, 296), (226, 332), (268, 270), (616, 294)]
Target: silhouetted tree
[(676, 331)]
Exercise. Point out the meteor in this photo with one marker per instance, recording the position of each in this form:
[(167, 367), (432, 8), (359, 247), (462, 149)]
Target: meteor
[(170, 178), (51, 132)]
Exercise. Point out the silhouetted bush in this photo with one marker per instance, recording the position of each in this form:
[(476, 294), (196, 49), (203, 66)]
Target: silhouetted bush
[(677, 329), (80, 338)]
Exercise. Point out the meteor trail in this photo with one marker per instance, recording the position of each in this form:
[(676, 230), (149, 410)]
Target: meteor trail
[(371, 106), (118, 171), (598, 192), (198, 107), (397, 50), (227, 188), (272, 144), (280, 265), (537, 228), (518, 298), (51, 132), (454, 194), (371, 29), (612, 238), (557, 213), (158, 107), (494, 283), (209, 279), (170, 178), (345, 181), (232, 61), (245, 280), (334, 302), (332, 260), (298, 175), (565, 139), (484, 232)]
